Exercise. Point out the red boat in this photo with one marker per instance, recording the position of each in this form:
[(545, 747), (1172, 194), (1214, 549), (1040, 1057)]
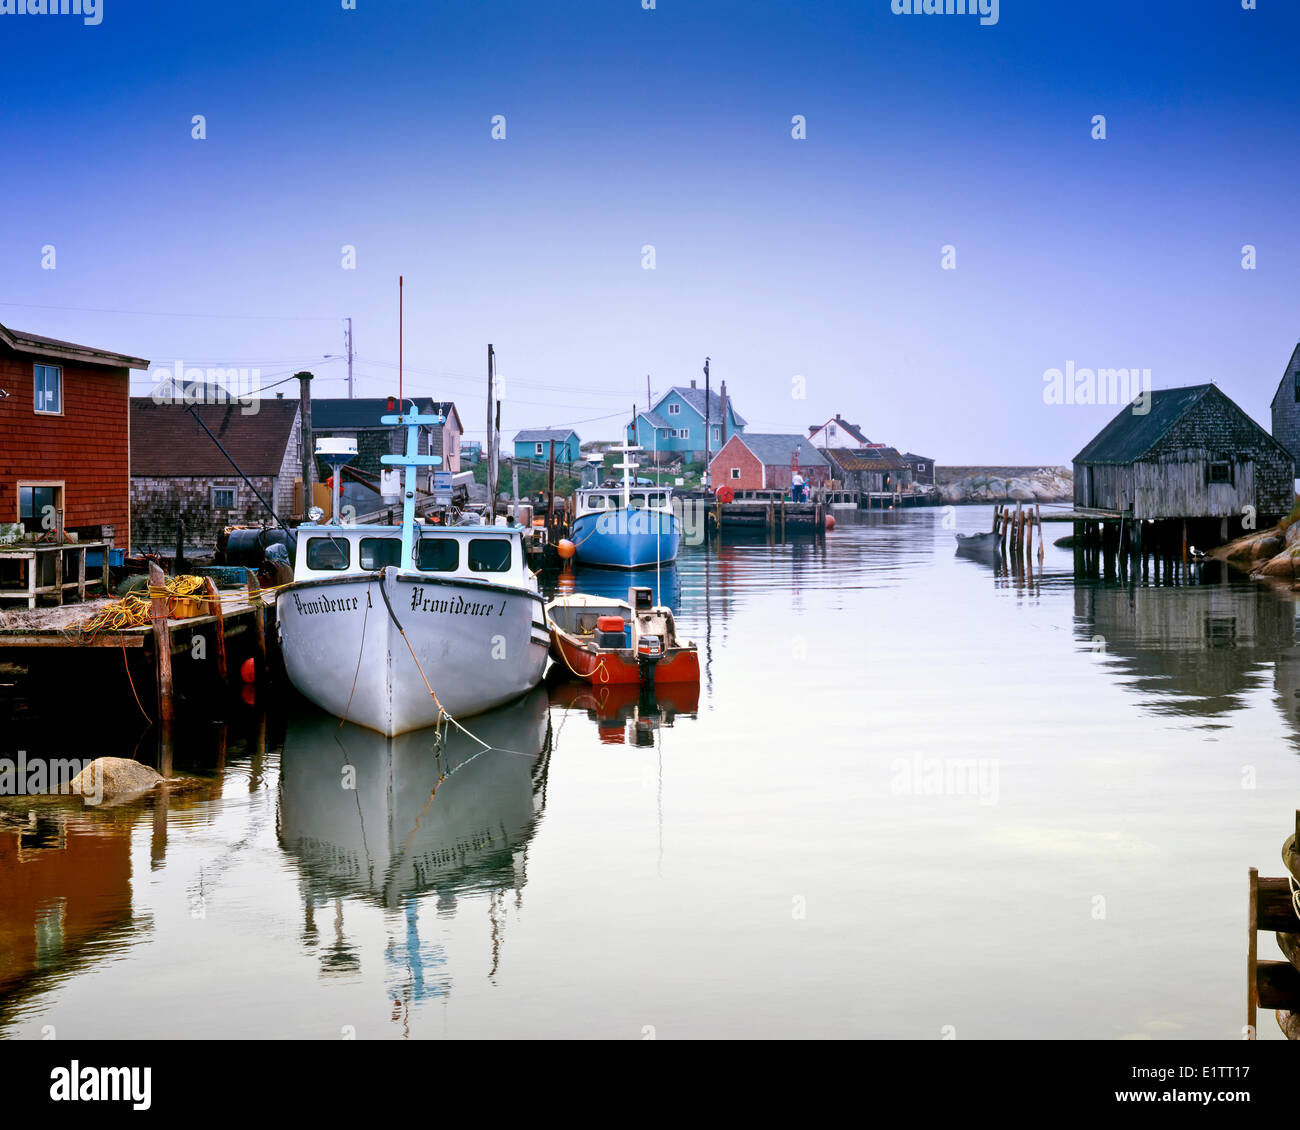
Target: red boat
[(614, 641)]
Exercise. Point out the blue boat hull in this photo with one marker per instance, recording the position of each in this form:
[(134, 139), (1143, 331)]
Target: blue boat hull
[(620, 540)]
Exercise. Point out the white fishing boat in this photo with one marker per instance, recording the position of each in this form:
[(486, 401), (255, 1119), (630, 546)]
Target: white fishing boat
[(391, 627)]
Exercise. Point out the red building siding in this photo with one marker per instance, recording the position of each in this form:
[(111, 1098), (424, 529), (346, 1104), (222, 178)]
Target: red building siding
[(735, 454), (86, 448)]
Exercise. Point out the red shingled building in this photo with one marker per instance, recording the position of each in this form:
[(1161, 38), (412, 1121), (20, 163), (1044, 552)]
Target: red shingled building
[(64, 435)]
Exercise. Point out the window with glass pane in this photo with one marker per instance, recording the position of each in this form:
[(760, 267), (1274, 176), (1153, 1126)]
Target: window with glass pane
[(49, 388), (438, 555), (328, 553), (223, 498), (377, 553), (489, 555), (36, 507)]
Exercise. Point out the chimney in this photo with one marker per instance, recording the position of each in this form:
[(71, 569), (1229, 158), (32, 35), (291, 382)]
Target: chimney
[(692, 384)]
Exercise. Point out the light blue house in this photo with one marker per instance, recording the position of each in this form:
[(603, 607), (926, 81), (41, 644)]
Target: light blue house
[(674, 428), (535, 444)]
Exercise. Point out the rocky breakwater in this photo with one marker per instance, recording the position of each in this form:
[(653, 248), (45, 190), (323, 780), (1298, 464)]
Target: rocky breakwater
[(1005, 484)]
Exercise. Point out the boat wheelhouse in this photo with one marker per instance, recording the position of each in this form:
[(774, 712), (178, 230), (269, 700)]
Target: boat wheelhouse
[(628, 526), (394, 627)]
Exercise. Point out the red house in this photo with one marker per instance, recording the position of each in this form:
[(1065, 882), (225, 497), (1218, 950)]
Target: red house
[(765, 462), (64, 435)]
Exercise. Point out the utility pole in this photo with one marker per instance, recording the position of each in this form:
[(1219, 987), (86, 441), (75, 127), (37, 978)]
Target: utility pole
[(491, 437), (647, 392), (349, 344), (704, 479), (308, 451)]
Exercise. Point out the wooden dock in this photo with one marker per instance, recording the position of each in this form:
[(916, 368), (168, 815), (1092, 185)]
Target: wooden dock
[(1274, 984), (238, 618)]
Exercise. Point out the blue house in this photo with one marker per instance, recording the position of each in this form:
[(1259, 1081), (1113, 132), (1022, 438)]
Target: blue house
[(674, 428), (535, 444)]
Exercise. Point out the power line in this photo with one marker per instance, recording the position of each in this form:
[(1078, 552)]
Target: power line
[(177, 314)]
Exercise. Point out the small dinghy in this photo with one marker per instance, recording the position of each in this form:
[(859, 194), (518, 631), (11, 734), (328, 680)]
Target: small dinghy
[(979, 545), (615, 641)]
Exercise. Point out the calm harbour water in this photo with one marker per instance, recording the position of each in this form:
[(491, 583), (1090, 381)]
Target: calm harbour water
[(910, 796)]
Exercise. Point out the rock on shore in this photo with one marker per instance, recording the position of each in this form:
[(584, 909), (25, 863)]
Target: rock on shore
[(1272, 553), (1005, 484), (109, 778)]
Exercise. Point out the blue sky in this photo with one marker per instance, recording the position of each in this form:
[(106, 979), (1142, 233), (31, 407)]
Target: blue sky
[(776, 257)]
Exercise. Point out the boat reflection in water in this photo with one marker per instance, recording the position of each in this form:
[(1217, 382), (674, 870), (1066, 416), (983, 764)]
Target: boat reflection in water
[(390, 820), (628, 713), (665, 583)]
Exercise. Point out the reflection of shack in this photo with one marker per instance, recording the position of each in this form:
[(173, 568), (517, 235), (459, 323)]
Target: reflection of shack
[(1197, 646), (64, 883)]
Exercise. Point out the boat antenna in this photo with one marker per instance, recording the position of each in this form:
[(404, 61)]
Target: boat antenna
[(399, 339)]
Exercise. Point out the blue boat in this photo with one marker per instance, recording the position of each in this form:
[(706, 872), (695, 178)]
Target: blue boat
[(628, 526)]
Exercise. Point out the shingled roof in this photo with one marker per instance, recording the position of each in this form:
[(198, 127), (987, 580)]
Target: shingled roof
[(1131, 435), (166, 441), (38, 346), (877, 458), (775, 450), (544, 435), (695, 398), (360, 412)]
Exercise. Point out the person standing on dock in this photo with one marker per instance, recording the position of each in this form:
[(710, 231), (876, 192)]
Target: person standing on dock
[(797, 487)]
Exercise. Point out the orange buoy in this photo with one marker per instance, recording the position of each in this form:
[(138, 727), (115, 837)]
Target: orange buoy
[(830, 521), (248, 670), (564, 547)]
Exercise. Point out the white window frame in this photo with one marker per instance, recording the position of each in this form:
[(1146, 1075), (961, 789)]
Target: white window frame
[(674, 409), (683, 433), (233, 488), (717, 431), (539, 450), (735, 472), (38, 389)]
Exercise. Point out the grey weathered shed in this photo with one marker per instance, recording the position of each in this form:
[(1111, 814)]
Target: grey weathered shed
[(1192, 453), (1285, 407)]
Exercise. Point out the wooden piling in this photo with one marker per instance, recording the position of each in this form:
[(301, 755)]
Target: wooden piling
[(214, 609), (162, 645), (259, 625), (1252, 954)]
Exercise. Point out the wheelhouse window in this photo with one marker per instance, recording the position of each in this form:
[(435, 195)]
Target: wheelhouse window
[(223, 497), (489, 555), (1221, 473), (378, 553), (328, 553), (49, 389), (438, 555), (595, 502)]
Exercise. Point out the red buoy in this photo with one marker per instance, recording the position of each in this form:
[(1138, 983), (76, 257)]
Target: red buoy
[(248, 670), (830, 521)]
